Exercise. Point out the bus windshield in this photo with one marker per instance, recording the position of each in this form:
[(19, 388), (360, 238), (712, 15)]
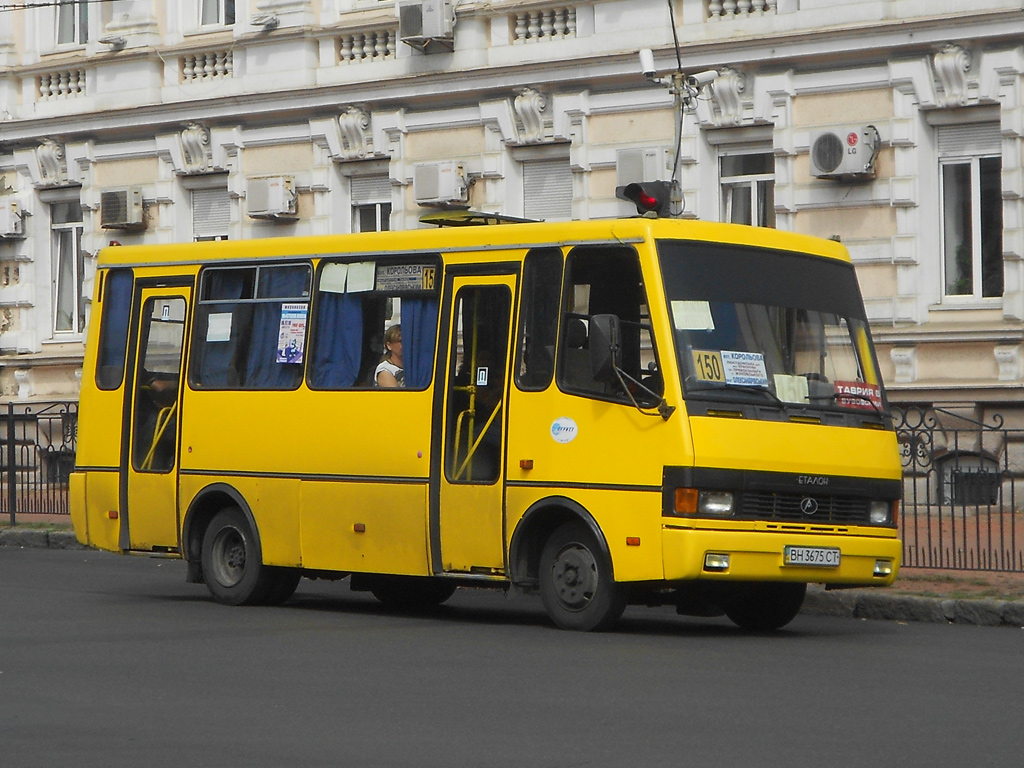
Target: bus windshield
[(779, 327)]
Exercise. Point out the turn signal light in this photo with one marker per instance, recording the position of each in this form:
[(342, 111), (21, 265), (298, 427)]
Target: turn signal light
[(686, 501)]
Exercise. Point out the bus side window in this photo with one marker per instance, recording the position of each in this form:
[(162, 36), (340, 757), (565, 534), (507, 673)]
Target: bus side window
[(538, 318), (355, 305), (250, 327), (117, 307), (605, 280)]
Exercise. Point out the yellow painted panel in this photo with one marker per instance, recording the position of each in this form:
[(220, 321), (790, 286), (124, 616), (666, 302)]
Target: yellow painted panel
[(394, 517), (152, 510), (276, 511), (787, 447), (757, 556), (471, 533), (101, 489)]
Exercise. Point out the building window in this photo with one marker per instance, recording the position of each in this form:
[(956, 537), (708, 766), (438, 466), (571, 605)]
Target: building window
[(211, 214), (73, 23), (970, 177), (371, 203), (547, 189), (68, 267), (214, 12), (748, 188)]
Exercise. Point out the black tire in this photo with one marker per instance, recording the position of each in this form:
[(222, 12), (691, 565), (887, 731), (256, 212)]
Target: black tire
[(764, 607), (284, 582), (411, 593), (576, 581), (232, 564)]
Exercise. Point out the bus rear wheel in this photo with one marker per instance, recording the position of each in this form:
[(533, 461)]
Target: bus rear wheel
[(576, 582), (764, 607), (232, 568)]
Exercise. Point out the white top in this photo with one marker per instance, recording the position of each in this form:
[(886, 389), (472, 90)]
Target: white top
[(394, 370)]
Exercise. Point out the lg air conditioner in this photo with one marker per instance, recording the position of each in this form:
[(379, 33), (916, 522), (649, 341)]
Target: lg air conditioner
[(11, 224), (844, 153), (426, 24), (273, 198), (439, 184), (122, 209)]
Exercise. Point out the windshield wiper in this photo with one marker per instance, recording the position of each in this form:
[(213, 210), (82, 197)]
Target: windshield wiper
[(742, 388)]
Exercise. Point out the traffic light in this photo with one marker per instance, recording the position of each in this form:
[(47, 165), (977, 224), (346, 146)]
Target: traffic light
[(648, 196)]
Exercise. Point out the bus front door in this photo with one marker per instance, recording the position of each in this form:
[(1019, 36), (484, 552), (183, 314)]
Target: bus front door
[(149, 519), (471, 513)]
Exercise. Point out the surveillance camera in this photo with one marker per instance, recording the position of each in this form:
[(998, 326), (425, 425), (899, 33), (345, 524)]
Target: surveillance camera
[(647, 62), (702, 78)]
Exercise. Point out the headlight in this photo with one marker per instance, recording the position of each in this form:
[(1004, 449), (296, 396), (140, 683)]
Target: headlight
[(879, 512), (716, 503)]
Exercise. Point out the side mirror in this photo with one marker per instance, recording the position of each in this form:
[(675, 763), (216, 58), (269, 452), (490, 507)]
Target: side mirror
[(605, 347)]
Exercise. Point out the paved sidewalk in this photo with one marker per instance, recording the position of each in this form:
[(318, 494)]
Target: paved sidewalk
[(888, 604)]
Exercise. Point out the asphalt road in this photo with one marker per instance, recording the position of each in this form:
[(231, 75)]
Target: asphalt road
[(115, 661)]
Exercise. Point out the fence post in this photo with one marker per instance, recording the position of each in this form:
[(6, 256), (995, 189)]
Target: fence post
[(12, 471)]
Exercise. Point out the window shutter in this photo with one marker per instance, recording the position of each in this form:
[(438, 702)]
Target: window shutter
[(969, 139), (211, 212), (547, 189), (371, 189)]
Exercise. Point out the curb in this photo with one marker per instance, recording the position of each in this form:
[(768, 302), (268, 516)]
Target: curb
[(868, 604), (39, 538), (851, 603)]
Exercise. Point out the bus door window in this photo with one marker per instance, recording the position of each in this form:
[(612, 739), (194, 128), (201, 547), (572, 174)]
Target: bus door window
[(156, 385), (606, 280), (477, 384)]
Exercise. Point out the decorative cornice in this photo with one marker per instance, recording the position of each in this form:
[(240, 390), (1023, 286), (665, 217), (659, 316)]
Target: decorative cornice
[(530, 105), (356, 140), (195, 149), (951, 66), (53, 167), (727, 95)]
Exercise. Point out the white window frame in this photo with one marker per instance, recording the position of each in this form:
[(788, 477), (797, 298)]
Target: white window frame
[(218, 8), (75, 13), (203, 230), (978, 142), (371, 192), (551, 170), (67, 234), (762, 215)]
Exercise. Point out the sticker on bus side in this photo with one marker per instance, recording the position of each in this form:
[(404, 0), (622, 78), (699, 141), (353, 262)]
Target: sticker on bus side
[(564, 430)]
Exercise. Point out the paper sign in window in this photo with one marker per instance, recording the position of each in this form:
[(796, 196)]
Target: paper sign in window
[(219, 327), (692, 316), (291, 333), (360, 277), (332, 278)]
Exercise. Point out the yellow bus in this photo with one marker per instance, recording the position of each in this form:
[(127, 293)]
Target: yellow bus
[(606, 413)]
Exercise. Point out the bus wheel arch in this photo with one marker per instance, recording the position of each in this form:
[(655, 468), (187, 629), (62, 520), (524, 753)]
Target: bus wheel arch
[(207, 503), (534, 529)]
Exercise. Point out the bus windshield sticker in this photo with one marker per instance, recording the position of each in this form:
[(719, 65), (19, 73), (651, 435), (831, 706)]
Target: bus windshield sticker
[(360, 277), (791, 389), (393, 278), (332, 278), (857, 394), (708, 365), (692, 316), (564, 430), (745, 369), (292, 333), (219, 327)]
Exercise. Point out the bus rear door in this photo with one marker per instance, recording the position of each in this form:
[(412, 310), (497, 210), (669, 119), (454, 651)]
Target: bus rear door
[(472, 478), (150, 518)]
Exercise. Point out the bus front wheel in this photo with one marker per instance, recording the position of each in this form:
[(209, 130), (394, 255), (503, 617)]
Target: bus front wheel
[(232, 568), (764, 607), (576, 582)]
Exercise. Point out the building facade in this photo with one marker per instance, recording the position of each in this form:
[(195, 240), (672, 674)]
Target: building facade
[(152, 121)]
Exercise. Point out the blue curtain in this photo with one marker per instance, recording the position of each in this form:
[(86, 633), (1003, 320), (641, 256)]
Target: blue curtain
[(262, 371), (117, 309), (216, 358), (419, 332), (339, 342)]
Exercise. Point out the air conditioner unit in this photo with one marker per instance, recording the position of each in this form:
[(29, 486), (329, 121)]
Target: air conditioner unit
[(11, 224), (272, 197), (422, 22), (122, 209), (440, 183), (848, 152)]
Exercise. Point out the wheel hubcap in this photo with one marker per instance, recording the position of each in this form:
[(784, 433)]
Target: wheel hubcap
[(229, 557), (574, 574)]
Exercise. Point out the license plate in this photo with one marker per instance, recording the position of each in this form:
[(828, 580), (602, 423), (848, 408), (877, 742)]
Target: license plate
[(819, 557)]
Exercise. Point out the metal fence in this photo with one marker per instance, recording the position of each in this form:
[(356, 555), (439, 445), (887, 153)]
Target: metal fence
[(960, 490), (960, 481), (38, 454)]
